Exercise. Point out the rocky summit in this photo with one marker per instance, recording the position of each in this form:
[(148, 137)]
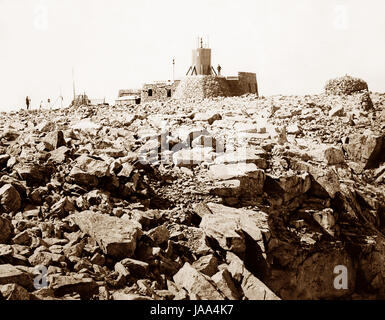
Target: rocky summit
[(239, 198)]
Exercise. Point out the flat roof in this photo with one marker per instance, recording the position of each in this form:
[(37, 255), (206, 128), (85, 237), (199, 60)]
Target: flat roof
[(127, 98)]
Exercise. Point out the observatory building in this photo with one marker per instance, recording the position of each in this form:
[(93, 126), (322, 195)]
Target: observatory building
[(201, 81), (201, 62)]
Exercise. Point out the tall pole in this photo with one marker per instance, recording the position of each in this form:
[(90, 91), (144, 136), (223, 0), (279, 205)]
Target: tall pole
[(73, 83), (173, 70)]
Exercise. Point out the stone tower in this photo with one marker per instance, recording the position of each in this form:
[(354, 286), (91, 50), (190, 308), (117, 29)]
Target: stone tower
[(201, 61)]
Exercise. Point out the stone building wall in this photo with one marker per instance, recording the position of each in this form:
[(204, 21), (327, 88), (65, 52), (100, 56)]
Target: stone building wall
[(247, 83), (158, 91), (129, 92), (200, 87)]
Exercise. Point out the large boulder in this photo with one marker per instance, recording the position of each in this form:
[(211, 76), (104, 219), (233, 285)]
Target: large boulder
[(116, 237), (87, 170), (252, 287), (11, 274), (10, 199), (63, 285), (197, 283), (229, 227), (367, 149), (54, 140), (237, 180), (34, 174)]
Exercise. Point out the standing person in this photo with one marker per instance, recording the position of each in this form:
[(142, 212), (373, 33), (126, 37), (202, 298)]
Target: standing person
[(49, 103), (27, 101), (41, 103), (219, 68)]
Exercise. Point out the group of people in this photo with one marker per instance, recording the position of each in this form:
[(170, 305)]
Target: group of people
[(28, 103)]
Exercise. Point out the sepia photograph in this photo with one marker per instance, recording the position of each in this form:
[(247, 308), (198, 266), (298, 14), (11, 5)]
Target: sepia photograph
[(215, 151)]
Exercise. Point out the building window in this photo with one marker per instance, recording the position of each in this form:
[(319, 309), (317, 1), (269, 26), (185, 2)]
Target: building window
[(150, 92), (168, 93)]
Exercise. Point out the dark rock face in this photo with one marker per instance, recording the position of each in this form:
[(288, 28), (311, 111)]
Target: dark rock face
[(6, 229), (225, 198)]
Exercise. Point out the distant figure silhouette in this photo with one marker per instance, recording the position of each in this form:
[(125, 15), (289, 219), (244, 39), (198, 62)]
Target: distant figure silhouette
[(219, 68), (27, 102)]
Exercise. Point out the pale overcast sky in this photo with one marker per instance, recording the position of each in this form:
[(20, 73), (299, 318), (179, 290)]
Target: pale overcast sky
[(293, 46)]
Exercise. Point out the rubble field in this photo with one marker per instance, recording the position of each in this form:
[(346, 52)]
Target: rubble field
[(239, 198)]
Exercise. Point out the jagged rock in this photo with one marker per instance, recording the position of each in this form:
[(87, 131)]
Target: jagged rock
[(159, 235), (293, 129), (254, 223), (196, 241), (233, 180), (91, 166), (62, 285), (14, 291), (326, 219), (226, 230), (209, 117), (116, 237), (23, 238), (334, 156), (226, 285), (126, 170), (197, 283), (208, 265), (34, 174), (367, 149), (55, 139), (288, 186), (132, 267), (83, 178), (6, 254), (59, 155), (62, 208), (258, 157), (252, 287), (10, 274), (9, 198), (337, 111), (45, 126), (4, 159), (6, 230), (45, 258)]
